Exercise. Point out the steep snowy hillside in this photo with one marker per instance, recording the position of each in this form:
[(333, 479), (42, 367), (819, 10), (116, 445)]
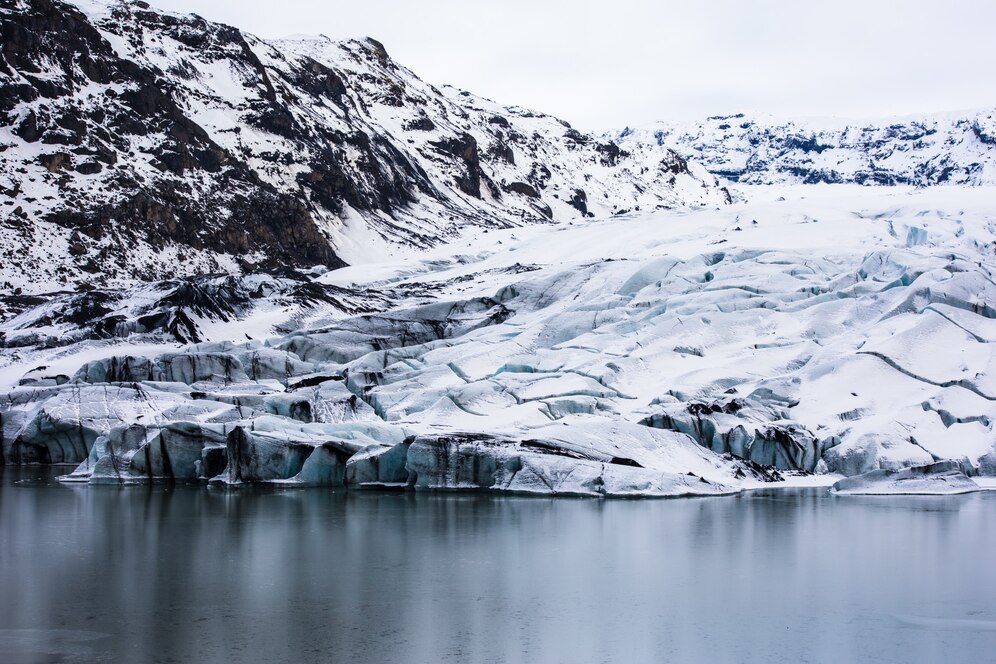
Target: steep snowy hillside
[(759, 149), (840, 330), (136, 143)]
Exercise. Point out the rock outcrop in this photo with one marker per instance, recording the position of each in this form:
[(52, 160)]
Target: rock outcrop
[(141, 144)]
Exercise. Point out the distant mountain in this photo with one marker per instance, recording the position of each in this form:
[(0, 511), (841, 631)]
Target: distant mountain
[(141, 144), (759, 149)]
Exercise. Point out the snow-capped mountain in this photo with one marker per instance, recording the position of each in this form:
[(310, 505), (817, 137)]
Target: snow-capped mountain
[(760, 149), (137, 143)]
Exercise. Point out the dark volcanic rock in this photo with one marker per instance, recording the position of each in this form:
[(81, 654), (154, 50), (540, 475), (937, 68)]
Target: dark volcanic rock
[(579, 201), (261, 219), (190, 147), (523, 189), (465, 148)]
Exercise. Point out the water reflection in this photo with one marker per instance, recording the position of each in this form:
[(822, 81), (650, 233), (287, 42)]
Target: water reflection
[(161, 574)]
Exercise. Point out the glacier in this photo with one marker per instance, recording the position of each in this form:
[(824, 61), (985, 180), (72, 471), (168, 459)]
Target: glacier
[(796, 337), (235, 260), (941, 478)]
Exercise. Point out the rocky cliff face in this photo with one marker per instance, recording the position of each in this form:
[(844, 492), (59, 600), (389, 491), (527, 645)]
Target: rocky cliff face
[(139, 144), (758, 149)]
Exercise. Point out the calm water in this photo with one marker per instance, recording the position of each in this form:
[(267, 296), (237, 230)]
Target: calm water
[(185, 574)]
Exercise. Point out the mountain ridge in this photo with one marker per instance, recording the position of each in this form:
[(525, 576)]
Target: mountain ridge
[(140, 143), (753, 148)]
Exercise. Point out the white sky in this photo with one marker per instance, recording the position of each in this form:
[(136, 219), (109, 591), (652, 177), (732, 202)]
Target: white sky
[(630, 62)]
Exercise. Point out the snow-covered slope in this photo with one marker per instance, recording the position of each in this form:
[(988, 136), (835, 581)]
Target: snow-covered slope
[(760, 149), (180, 201), (136, 143), (821, 329)]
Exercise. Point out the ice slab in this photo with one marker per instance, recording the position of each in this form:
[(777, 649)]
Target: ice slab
[(941, 478)]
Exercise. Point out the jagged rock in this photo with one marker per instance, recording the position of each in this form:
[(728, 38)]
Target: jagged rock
[(579, 201), (55, 161), (420, 124), (375, 140), (464, 147), (523, 189)]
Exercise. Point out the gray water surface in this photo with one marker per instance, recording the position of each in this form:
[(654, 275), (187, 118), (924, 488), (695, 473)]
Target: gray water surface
[(189, 574)]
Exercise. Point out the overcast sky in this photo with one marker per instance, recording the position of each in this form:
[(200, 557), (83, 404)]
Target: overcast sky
[(629, 62)]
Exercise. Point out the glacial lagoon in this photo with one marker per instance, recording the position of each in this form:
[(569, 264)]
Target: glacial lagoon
[(192, 574)]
